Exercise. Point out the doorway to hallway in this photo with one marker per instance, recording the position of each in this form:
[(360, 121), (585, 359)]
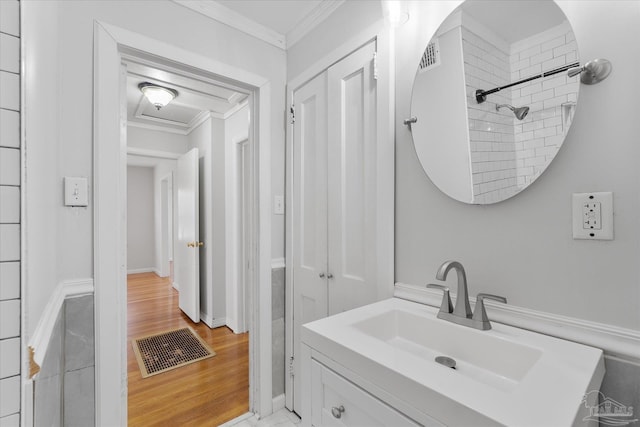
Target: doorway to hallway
[(208, 392)]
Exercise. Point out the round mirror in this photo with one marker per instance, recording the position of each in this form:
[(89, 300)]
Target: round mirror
[(492, 99)]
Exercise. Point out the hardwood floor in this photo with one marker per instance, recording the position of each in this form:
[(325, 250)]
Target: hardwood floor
[(206, 393)]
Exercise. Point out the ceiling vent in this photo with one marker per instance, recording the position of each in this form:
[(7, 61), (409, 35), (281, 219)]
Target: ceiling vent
[(430, 57)]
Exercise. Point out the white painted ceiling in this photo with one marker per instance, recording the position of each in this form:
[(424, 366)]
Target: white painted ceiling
[(196, 100), (279, 15), (515, 20)]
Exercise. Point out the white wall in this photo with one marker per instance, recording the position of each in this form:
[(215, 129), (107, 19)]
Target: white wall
[(141, 239), (523, 248), (59, 126), (156, 140)]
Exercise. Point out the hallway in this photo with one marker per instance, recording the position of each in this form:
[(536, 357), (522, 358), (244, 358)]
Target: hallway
[(205, 393)]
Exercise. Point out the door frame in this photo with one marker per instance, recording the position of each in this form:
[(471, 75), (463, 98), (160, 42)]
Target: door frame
[(166, 225), (383, 34), (239, 233), (109, 198)]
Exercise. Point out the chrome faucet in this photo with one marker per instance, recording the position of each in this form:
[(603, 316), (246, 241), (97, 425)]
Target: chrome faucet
[(462, 308), (462, 314)]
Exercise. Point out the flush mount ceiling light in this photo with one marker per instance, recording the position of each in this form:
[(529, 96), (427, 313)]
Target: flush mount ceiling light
[(157, 95)]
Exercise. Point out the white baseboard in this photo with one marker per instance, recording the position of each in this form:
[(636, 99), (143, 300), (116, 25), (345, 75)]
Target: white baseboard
[(39, 341), (278, 402), (621, 343), (143, 270), (277, 263), (211, 322)]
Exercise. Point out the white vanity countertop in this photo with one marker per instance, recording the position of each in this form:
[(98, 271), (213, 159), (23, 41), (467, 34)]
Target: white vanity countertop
[(505, 376)]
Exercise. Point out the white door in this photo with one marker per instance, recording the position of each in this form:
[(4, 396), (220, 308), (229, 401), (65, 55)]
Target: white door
[(334, 195), (309, 212), (186, 248), (352, 181)]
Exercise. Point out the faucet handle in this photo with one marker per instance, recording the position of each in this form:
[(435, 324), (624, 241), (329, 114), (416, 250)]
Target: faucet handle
[(480, 314), (447, 305)]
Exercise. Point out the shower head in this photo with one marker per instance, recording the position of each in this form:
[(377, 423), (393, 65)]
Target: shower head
[(519, 112), (592, 72)]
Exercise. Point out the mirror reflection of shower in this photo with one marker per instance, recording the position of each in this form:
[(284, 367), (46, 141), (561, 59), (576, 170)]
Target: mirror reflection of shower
[(519, 112)]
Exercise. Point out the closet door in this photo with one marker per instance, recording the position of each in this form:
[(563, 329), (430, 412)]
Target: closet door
[(352, 96), (309, 212)]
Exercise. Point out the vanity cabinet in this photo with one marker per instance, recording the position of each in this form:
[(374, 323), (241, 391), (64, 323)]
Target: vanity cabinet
[(334, 395), (337, 401)]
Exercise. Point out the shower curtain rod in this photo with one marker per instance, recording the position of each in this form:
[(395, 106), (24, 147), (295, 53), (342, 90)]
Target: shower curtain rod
[(481, 95)]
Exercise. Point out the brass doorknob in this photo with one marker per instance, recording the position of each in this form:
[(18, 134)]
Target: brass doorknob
[(191, 244), (200, 244)]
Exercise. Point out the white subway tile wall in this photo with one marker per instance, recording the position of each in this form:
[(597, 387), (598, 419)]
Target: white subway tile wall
[(10, 213), (508, 154), (491, 133), (9, 280), (10, 357), (9, 129), (547, 98)]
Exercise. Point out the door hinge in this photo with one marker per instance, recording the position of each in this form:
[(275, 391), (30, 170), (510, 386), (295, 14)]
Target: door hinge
[(375, 65), (291, 370), (292, 110)]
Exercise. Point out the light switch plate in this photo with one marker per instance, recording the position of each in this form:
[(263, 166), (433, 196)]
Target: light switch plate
[(593, 216), (76, 191)]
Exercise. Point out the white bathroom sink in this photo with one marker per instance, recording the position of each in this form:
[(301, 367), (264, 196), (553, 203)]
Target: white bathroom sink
[(504, 376), (477, 355)]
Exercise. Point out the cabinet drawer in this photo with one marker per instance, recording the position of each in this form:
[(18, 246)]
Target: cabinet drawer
[(332, 392)]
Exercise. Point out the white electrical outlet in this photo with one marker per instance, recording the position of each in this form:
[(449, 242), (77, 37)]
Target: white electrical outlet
[(76, 192), (593, 216)]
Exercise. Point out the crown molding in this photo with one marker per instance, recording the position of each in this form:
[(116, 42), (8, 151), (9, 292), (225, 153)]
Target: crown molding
[(199, 119), (312, 20), (145, 152), (235, 109), (159, 128), (220, 13)]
